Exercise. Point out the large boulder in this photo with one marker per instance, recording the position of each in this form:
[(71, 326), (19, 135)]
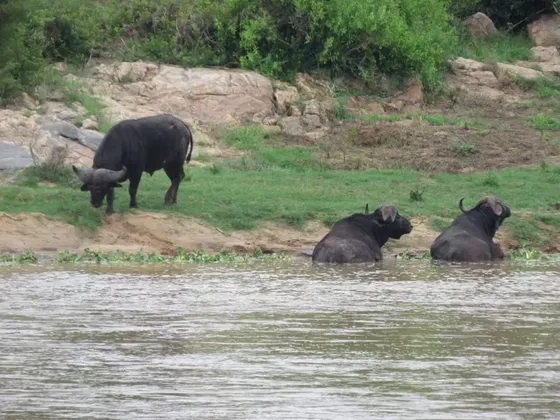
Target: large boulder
[(504, 71), (545, 32), (192, 94), (480, 25)]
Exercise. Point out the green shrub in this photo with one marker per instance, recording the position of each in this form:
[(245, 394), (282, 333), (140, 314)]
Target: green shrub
[(350, 37)]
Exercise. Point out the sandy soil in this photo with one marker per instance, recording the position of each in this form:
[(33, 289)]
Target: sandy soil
[(165, 233)]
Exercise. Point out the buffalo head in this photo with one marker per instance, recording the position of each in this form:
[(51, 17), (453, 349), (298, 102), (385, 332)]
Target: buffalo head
[(493, 208), (387, 216), (98, 182)]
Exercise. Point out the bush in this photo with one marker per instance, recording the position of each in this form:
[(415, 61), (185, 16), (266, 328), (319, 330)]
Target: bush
[(351, 37)]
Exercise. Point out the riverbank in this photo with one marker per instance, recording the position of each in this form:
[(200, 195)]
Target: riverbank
[(220, 208)]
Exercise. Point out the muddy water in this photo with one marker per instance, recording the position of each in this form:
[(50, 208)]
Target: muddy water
[(403, 340)]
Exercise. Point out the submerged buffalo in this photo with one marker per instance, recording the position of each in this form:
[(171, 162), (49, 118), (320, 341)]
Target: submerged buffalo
[(134, 146), (469, 238), (358, 238)]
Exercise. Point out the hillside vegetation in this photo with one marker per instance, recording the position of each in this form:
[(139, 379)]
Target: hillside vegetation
[(364, 40)]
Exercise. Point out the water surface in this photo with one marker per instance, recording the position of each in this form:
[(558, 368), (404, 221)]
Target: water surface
[(400, 340)]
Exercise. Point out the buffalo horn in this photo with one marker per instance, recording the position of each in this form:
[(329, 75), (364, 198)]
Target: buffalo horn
[(84, 174), (388, 212), (461, 205), (367, 208), (495, 205), (107, 176)]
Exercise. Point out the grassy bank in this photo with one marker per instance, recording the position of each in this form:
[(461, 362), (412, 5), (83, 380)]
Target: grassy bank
[(236, 199)]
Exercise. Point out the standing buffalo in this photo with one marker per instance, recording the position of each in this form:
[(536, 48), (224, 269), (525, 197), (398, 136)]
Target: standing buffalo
[(358, 238), (469, 238), (134, 146)]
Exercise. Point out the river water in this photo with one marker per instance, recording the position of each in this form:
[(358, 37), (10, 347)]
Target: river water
[(284, 340)]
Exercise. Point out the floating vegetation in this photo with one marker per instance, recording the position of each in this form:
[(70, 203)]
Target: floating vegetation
[(28, 257), (182, 256)]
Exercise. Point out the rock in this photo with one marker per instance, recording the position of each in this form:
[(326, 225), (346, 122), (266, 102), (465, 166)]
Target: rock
[(90, 138), (414, 94), (310, 87), (466, 65), (550, 69), (63, 128), (90, 124), (27, 101), (127, 72), (292, 126), (68, 115), (363, 105), (285, 98), (312, 121), (545, 32), (504, 70), (272, 129), (394, 106), (209, 94), (294, 111), (270, 121), (13, 158), (313, 107), (480, 25), (546, 54)]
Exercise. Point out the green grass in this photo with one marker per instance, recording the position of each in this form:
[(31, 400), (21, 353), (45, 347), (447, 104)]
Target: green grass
[(242, 199), (501, 48), (545, 122)]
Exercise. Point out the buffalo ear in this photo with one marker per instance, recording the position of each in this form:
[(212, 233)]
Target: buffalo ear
[(388, 213), (367, 209), (84, 187)]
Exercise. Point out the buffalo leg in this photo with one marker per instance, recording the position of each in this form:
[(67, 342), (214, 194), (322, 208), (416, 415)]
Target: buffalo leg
[(176, 174), (132, 189), (110, 198)]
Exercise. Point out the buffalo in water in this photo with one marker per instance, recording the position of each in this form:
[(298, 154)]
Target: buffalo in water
[(134, 146), (469, 238), (358, 238)]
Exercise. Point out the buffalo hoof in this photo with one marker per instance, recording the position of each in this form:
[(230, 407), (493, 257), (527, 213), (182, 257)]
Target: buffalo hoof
[(108, 212)]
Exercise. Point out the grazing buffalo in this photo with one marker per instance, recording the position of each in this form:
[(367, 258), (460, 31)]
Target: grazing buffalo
[(469, 238), (358, 238), (134, 146)]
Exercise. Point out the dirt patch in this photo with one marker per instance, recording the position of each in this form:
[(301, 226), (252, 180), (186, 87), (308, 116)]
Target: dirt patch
[(165, 233), (466, 144)]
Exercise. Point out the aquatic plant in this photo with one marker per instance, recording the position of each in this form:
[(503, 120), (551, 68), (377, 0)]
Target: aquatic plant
[(28, 257), (182, 256)]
